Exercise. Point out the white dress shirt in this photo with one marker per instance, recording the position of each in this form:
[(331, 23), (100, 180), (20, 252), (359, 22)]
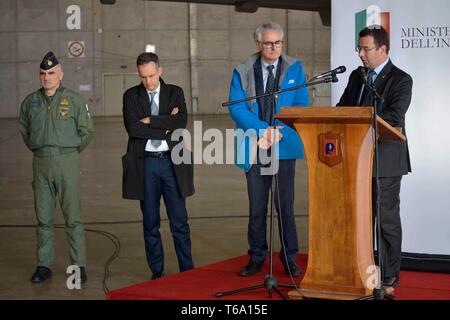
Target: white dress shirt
[(163, 146)]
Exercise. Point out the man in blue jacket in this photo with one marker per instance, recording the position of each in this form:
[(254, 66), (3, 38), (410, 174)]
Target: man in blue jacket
[(263, 72)]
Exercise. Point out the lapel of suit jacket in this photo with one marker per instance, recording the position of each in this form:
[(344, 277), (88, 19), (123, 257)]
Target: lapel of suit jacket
[(379, 84), (352, 92), (383, 76), (144, 100), (381, 81), (164, 98)]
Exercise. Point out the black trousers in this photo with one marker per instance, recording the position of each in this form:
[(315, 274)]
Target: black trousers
[(258, 188), (391, 227), (160, 180)]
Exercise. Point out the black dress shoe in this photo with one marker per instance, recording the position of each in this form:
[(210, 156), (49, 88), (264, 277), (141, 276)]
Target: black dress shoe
[(83, 274), (391, 282), (157, 275), (294, 269), (41, 274), (251, 268)]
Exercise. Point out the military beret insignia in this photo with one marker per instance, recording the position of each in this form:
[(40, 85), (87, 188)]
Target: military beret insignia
[(49, 61)]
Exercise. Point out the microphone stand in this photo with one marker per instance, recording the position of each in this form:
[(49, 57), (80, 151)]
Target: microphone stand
[(270, 282), (331, 78), (380, 292)]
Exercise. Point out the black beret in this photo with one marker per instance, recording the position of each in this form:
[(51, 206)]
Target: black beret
[(49, 61)]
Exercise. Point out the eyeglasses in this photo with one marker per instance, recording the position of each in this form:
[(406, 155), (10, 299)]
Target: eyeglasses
[(269, 44), (365, 49)]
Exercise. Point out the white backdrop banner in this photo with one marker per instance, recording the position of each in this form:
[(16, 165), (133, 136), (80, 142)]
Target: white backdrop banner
[(420, 45)]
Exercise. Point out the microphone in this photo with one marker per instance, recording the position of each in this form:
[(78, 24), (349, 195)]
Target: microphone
[(364, 73), (332, 73)]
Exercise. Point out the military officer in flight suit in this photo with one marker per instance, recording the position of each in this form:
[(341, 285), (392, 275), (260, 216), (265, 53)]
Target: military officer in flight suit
[(56, 126)]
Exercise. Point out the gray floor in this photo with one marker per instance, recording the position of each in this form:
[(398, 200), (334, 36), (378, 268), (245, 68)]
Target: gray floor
[(218, 216)]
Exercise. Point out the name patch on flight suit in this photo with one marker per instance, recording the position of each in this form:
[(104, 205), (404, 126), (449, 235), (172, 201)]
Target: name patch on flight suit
[(63, 108)]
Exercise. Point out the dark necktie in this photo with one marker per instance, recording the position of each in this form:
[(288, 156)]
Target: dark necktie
[(154, 112), (268, 100), (365, 92)]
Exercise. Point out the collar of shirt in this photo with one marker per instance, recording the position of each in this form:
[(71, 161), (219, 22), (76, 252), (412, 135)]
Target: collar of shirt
[(50, 99), (265, 71), (380, 68), (264, 66)]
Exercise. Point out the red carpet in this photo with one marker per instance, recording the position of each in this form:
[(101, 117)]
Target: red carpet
[(202, 283)]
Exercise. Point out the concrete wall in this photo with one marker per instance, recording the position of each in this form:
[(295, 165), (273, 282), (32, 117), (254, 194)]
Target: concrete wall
[(115, 34)]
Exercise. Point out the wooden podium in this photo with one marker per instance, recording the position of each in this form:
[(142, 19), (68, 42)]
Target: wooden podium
[(338, 145)]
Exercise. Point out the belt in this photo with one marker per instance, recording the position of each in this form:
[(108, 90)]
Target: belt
[(156, 154), (53, 151)]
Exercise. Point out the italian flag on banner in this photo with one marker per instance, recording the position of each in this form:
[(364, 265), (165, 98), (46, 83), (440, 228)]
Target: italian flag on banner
[(368, 17)]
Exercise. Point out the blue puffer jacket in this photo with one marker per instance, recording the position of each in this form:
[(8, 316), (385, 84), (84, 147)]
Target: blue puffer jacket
[(245, 114)]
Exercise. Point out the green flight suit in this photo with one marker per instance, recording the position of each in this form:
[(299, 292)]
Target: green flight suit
[(57, 129)]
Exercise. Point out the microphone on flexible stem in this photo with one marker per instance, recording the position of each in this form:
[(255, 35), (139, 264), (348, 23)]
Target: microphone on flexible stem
[(364, 72), (331, 73)]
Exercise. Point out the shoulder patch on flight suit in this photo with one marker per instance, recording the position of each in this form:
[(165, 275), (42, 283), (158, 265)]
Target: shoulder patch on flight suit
[(87, 110)]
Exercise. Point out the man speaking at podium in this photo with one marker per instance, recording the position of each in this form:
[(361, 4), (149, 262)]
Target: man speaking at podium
[(394, 86)]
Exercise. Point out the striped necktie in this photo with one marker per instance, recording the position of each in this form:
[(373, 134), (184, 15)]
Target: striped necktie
[(154, 112)]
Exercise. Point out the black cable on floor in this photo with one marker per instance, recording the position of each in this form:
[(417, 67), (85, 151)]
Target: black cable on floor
[(106, 272), (112, 237)]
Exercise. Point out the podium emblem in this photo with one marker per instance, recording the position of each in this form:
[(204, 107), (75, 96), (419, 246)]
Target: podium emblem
[(330, 151)]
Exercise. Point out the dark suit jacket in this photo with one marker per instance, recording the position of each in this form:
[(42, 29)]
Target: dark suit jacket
[(136, 105), (395, 87)]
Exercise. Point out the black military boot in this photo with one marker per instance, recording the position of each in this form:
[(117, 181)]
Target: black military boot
[(41, 274), (83, 274)]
